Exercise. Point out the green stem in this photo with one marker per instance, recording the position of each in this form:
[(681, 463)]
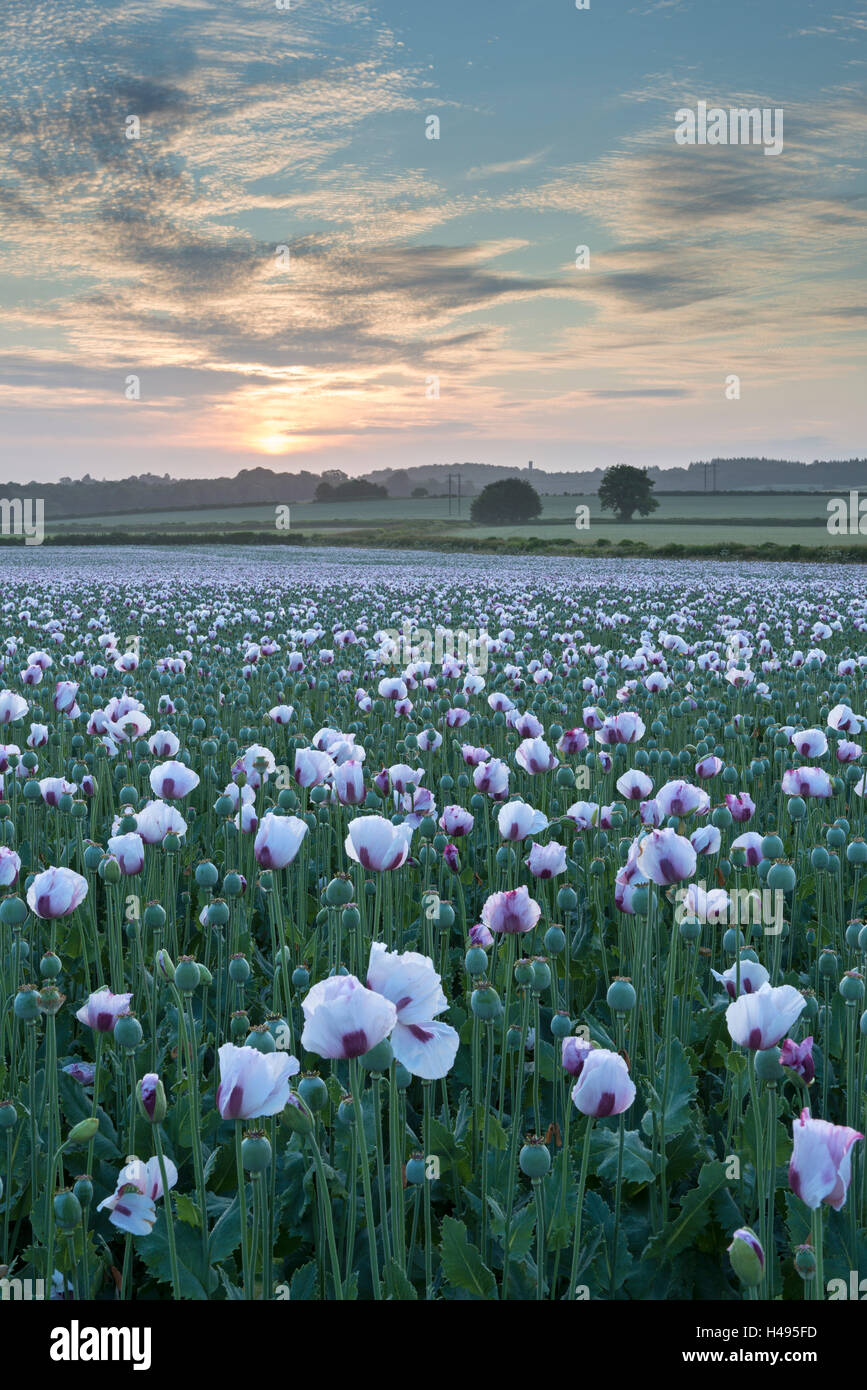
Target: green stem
[(579, 1209)]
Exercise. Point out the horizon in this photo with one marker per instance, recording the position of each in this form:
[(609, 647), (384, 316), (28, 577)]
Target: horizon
[(277, 472), (427, 296)]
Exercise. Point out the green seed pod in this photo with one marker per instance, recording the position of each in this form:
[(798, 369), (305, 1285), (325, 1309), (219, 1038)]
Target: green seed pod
[(50, 966), (768, 1066), (128, 1032), (261, 1039), (187, 976), (541, 978), (301, 979), (206, 874), (621, 995), (853, 931), (555, 940), (524, 973), (345, 1116), (339, 892), (485, 1002), (256, 1152), (852, 987), (690, 930), (350, 918), (534, 1159), (67, 1210), (828, 964), (218, 913), (26, 1004), (781, 877), (83, 1189), (13, 912), (313, 1091), (416, 1169), (805, 1262), (475, 961), (239, 969)]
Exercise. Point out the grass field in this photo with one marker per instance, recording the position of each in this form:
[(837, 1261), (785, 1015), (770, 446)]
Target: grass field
[(712, 519)]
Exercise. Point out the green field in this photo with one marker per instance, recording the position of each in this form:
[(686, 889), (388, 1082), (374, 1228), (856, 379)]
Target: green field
[(795, 518)]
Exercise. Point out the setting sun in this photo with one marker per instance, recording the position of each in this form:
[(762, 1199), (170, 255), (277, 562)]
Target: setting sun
[(274, 444)]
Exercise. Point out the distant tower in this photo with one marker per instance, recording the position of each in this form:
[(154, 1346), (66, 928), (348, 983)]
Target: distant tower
[(530, 465)]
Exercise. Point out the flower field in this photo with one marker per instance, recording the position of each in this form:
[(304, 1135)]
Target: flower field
[(431, 930)]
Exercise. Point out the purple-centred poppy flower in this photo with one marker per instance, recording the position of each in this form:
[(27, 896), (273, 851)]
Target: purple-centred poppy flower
[(343, 1019)]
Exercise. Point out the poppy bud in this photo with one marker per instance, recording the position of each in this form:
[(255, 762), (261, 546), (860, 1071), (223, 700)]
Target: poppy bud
[(151, 1097), (164, 963), (747, 1257), (296, 1116), (109, 869), (84, 1131)]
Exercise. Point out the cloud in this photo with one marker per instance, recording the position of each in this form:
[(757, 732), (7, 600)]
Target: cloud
[(158, 255)]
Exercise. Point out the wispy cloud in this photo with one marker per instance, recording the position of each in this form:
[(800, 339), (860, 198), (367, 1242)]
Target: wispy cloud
[(429, 292)]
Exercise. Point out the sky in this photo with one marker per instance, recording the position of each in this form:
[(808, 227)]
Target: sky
[(227, 238)]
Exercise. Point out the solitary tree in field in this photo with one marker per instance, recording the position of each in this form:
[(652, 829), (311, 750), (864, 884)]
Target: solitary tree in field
[(506, 503), (626, 490)]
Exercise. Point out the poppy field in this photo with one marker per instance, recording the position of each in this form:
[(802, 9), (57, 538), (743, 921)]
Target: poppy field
[(431, 929)]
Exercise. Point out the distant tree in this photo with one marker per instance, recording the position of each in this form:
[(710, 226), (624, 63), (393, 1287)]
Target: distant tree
[(352, 490), (398, 483), (506, 503), (626, 490), (420, 492)]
